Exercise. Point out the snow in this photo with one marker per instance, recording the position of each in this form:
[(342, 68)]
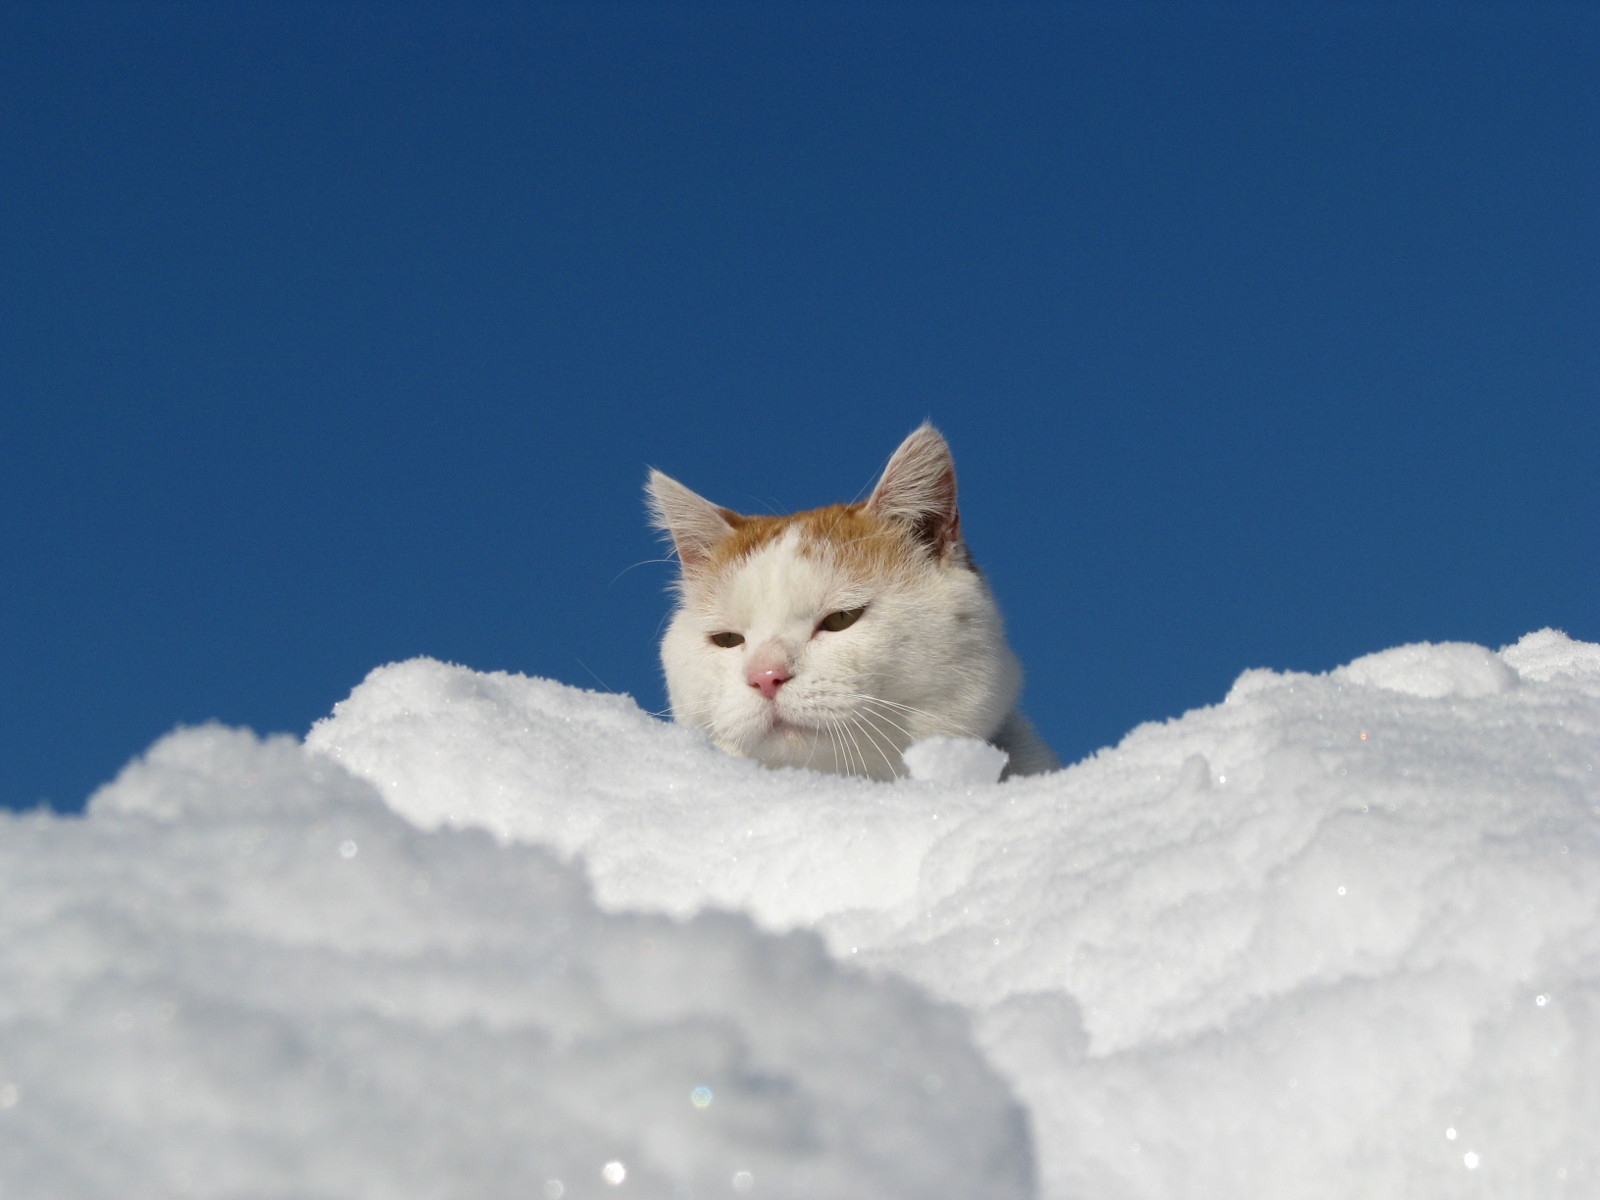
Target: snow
[(954, 760), (243, 976), (490, 935)]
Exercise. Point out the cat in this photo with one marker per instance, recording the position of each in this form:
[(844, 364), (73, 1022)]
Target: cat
[(835, 638)]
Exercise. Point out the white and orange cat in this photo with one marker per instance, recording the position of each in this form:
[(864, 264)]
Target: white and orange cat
[(835, 638)]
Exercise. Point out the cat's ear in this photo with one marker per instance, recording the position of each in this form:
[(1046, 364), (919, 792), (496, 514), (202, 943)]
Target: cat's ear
[(919, 488), (693, 522)]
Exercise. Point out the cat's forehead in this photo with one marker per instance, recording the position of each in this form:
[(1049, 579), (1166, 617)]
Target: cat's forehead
[(779, 569), (847, 537), (775, 584)]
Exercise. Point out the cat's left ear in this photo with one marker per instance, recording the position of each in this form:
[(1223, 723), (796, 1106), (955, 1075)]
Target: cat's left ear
[(693, 522), (919, 488)]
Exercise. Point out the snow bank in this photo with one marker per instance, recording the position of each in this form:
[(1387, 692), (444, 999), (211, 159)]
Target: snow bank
[(1335, 936), (243, 976)]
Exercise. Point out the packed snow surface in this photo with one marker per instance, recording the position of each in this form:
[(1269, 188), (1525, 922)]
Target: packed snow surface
[(1338, 935), (243, 976)]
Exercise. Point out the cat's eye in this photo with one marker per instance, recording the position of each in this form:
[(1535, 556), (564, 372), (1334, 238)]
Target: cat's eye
[(836, 621), (727, 640)]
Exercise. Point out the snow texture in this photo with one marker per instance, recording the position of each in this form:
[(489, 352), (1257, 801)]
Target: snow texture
[(1334, 936), (243, 976), (954, 760)]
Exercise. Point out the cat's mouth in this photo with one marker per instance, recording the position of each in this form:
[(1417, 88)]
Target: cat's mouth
[(787, 724), (778, 723)]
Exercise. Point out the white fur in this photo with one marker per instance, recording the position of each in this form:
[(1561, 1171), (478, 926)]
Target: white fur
[(696, 525), (928, 657)]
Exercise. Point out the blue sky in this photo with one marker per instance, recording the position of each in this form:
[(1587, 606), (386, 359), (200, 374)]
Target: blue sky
[(334, 334)]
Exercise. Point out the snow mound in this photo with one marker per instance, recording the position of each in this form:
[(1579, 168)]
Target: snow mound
[(955, 760), (242, 975), (1434, 671), (1338, 935), (484, 935)]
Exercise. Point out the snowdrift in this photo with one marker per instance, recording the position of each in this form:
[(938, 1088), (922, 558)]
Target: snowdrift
[(490, 935)]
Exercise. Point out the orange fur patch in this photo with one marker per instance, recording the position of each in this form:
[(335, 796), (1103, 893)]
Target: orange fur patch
[(847, 533)]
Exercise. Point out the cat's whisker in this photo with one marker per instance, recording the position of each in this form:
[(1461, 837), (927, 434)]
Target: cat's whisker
[(876, 741), (865, 713), (893, 717), (848, 740), (897, 744), (860, 720), (643, 562), (849, 749), (895, 704), (847, 729), (886, 719), (697, 710), (816, 744), (841, 752)]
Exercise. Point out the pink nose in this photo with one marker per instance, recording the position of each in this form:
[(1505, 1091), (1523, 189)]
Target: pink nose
[(768, 679)]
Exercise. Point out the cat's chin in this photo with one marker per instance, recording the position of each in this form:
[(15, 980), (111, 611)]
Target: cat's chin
[(776, 735), (801, 730), (789, 741), (791, 727)]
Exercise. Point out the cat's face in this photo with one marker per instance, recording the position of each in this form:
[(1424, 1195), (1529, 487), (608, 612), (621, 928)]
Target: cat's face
[(833, 639)]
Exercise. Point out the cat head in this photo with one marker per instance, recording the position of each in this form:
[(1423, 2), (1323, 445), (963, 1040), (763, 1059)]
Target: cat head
[(835, 637)]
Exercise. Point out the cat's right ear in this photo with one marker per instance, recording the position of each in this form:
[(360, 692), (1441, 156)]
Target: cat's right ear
[(694, 523)]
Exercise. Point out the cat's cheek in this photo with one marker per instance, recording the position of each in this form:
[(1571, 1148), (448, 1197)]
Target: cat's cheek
[(691, 676)]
